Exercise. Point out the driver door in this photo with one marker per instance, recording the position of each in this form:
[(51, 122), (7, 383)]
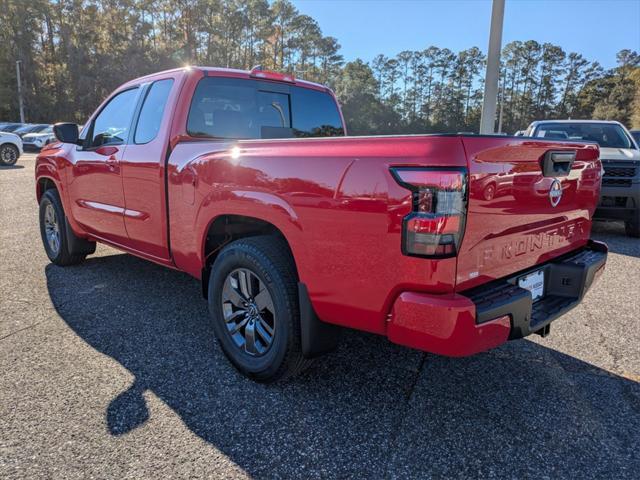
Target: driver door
[(95, 181)]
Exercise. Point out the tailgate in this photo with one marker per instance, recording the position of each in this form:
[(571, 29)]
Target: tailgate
[(512, 223)]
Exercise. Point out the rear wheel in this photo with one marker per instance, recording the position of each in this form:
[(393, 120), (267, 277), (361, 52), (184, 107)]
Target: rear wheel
[(8, 154), (253, 300), (60, 243)]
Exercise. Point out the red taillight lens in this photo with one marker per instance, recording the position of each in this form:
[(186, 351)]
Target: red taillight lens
[(435, 225), (268, 75)]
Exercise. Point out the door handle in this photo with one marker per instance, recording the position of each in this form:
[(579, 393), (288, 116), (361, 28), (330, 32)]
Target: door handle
[(112, 163), (557, 163)]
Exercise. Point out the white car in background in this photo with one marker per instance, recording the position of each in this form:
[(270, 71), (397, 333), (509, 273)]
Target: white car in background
[(10, 148), (34, 142)]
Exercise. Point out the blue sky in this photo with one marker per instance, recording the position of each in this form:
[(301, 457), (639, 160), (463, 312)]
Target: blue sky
[(595, 28)]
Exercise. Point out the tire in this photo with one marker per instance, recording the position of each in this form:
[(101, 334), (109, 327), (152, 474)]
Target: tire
[(241, 274), (489, 192), (61, 245), (632, 227), (8, 154)]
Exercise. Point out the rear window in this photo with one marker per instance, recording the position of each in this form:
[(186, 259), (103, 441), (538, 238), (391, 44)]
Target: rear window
[(249, 109), (608, 135)]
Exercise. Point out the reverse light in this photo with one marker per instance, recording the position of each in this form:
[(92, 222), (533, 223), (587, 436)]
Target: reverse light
[(435, 226)]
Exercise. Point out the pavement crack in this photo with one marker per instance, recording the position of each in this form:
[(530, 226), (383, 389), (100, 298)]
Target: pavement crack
[(21, 330), (397, 424), (413, 384)]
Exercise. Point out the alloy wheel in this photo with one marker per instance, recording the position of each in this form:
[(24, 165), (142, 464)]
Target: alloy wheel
[(8, 155), (249, 313), (52, 229)]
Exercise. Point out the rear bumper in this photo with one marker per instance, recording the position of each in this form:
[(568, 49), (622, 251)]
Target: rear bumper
[(487, 316)]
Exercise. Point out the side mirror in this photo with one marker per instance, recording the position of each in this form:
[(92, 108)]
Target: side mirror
[(66, 132)]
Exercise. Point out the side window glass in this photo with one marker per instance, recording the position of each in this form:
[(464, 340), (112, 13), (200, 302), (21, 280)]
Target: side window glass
[(152, 111), (111, 126), (315, 114)]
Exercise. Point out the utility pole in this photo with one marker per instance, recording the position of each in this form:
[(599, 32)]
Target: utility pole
[(488, 117), (501, 107), (18, 62)]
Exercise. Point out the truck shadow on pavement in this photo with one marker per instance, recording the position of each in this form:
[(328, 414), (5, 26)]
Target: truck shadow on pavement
[(371, 410)]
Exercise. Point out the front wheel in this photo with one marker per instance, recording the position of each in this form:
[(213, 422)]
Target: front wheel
[(253, 300), (60, 243), (8, 154)]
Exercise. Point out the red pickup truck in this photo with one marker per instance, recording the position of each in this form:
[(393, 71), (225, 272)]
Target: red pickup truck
[(246, 181)]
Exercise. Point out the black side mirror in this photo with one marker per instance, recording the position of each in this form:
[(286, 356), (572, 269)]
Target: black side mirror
[(66, 132)]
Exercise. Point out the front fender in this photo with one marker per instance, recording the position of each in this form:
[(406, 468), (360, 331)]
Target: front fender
[(50, 165)]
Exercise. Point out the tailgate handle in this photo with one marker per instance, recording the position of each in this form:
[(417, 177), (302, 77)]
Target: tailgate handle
[(557, 163)]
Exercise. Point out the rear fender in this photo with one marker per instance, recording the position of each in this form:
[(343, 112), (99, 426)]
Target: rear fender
[(263, 206)]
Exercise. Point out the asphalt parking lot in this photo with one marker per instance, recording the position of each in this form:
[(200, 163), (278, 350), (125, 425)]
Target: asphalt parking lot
[(109, 370)]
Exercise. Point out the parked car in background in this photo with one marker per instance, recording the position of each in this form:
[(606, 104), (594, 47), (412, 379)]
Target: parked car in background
[(31, 128), (620, 156), (11, 127), (10, 148), (636, 135), (33, 142)]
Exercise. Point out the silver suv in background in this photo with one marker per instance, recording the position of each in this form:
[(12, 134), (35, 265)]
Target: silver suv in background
[(34, 142), (620, 156)]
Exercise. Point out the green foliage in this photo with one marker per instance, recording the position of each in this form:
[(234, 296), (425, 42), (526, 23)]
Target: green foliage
[(74, 52)]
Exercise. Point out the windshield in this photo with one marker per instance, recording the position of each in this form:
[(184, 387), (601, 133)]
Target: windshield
[(607, 135), (26, 129), (37, 133), (11, 128)]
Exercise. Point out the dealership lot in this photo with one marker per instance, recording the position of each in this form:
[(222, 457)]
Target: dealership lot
[(109, 371)]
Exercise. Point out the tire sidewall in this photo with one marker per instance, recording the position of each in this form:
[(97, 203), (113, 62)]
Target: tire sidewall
[(17, 152), (51, 198), (239, 256), (489, 192)]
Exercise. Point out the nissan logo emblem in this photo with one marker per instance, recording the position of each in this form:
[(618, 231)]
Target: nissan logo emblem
[(555, 193)]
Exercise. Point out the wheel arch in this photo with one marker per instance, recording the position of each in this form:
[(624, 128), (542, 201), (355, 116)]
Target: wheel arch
[(227, 228), (43, 184), (9, 142)]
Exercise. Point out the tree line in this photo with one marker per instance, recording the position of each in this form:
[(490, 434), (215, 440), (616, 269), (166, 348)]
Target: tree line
[(74, 52)]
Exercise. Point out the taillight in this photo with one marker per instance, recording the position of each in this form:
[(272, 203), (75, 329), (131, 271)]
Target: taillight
[(435, 226), (258, 72)]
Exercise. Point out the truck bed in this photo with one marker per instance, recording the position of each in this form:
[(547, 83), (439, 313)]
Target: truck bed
[(342, 210)]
